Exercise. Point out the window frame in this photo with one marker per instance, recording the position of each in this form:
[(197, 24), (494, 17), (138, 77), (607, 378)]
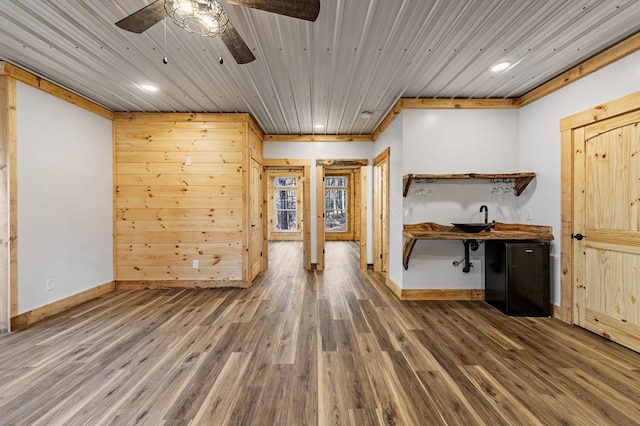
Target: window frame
[(345, 211)]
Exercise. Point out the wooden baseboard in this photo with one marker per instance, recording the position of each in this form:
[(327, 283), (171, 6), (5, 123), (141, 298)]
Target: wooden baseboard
[(395, 288), (195, 284), (563, 314), (377, 278), (444, 294), (380, 279), (27, 319)]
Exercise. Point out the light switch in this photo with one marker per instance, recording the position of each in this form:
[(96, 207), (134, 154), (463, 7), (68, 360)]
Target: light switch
[(188, 160)]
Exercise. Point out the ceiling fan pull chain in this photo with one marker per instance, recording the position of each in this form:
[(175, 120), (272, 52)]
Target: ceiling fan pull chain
[(164, 58)]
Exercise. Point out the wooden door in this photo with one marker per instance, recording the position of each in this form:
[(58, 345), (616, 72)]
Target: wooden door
[(607, 216), (381, 211), (255, 218)]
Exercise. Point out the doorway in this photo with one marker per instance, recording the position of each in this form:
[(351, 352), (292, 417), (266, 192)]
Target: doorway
[(381, 211), (288, 204), (601, 220), (341, 206)]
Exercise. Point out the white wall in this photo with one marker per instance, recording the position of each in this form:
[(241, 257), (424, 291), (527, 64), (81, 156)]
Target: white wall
[(65, 192), (455, 141), (326, 150), (539, 140), (459, 141)]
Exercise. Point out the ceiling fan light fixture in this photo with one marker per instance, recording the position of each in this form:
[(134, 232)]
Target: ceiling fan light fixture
[(202, 17)]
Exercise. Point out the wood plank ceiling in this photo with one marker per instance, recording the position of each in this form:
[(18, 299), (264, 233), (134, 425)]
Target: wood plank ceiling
[(360, 55)]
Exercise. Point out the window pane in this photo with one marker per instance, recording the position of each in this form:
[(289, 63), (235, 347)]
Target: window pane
[(285, 203), (335, 203), (286, 220), (335, 199), (285, 181), (335, 181), (336, 221), (285, 199)]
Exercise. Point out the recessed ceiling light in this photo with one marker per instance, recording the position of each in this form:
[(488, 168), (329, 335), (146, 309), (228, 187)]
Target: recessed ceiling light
[(365, 114), (149, 87), (319, 126), (501, 66)]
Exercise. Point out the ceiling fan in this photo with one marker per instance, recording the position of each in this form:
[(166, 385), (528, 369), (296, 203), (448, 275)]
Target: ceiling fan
[(207, 18)]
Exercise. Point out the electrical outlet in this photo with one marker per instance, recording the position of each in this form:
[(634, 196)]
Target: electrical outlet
[(196, 264), (51, 284), (188, 161)]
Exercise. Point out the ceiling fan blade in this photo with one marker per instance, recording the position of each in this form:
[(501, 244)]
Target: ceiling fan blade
[(301, 9), (143, 19), (238, 48)]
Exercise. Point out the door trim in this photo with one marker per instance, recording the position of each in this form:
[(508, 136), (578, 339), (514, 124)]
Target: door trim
[(569, 290), (321, 165), (319, 217), (9, 194), (289, 164), (381, 209)]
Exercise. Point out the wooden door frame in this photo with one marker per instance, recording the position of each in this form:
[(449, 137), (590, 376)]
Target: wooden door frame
[(8, 213), (363, 218), (381, 208), (321, 164), (304, 165), (320, 217), (568, 288), (271, 173), (249, 272), (350, 175)]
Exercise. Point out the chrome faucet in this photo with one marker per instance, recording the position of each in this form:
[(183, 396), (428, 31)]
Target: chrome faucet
[(486, 213)]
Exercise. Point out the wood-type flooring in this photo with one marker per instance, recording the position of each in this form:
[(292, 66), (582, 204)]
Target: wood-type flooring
[(309, 348)]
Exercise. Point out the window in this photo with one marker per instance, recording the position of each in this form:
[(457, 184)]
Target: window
[(286, 202), (335, 204)]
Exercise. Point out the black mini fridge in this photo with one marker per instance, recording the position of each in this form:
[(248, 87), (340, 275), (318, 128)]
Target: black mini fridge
[(517, 277)]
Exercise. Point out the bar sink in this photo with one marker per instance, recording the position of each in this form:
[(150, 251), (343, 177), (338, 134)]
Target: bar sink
[(474, 228)]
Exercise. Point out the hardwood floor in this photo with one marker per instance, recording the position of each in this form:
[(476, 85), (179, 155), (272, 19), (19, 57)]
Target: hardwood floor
[(309, 348)]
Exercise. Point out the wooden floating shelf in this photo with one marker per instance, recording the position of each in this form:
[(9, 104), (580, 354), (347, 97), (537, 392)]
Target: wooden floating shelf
[(522, 180), (500, 231)]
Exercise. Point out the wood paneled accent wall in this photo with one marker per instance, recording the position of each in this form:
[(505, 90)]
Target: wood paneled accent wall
[(169, 213)]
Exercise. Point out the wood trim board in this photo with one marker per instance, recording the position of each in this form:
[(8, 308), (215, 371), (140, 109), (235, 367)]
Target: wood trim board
[(607, 57), (169, 284), (7, 133), (27, 319), (442, 294), (363, 218), (318, 138), (53, 89)]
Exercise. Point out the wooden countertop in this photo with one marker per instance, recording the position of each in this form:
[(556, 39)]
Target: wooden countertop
[(500, 231)]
